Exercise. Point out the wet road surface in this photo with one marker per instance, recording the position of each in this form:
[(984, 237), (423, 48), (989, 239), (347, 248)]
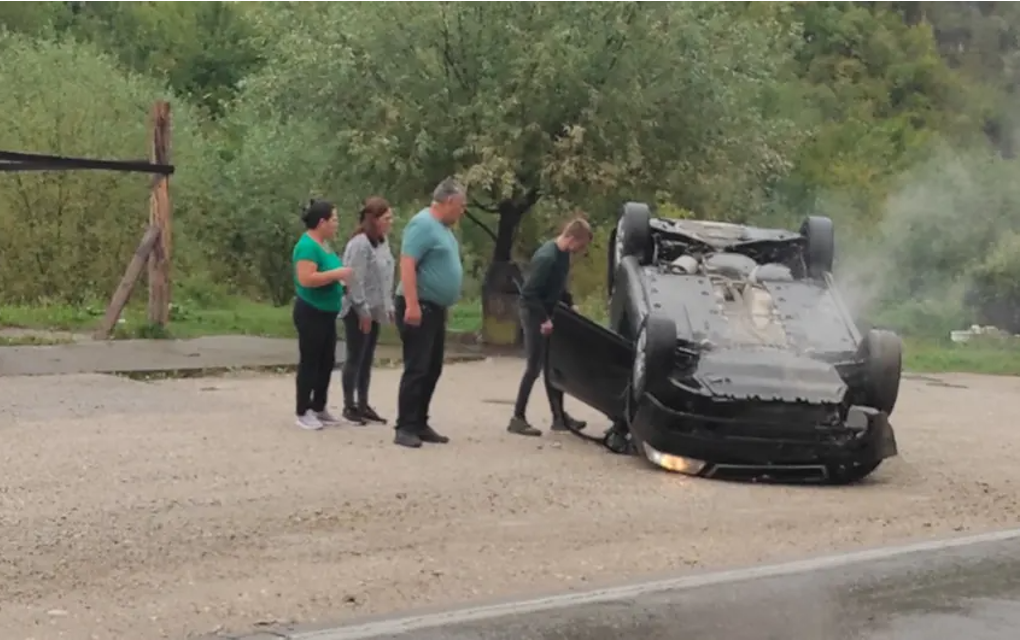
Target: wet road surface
[(964, 588)]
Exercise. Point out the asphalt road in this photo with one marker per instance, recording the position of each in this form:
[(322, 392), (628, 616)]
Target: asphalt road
[(963, 588)]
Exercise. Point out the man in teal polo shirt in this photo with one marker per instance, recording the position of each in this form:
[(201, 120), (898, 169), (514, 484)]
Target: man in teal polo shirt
[(431, 275)]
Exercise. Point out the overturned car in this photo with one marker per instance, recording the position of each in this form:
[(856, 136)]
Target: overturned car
[(729, 353)]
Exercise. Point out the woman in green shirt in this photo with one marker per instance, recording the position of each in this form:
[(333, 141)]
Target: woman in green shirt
[(318, 273)]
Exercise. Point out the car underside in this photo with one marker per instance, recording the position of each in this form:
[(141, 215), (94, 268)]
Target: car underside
[(729, 351)]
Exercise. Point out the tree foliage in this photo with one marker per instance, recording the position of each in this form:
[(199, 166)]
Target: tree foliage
[(67, 235), (252, 193), (574, 101), (895, 118)]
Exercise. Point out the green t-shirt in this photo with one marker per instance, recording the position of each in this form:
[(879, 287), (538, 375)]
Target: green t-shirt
[(327, 297)]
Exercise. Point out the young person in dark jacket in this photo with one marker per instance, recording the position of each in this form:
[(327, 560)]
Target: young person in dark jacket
[(545, 285)]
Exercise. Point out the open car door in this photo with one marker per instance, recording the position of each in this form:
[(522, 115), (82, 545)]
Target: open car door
[(589, 362)]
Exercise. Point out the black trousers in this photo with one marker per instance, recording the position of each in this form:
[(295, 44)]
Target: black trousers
[(535, 346), (316, 331), (357, 372), (423, 363)]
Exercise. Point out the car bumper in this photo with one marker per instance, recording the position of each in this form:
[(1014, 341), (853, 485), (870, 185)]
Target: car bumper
[(704, 445)]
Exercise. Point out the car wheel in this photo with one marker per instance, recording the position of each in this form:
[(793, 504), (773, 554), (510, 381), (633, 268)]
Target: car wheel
[(842, 474), (821, 245), (654, 348), (634, 232), (631, 237), (882, 353)]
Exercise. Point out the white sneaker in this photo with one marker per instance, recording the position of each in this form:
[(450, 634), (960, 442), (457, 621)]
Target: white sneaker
[(309, 421), (327, 419)]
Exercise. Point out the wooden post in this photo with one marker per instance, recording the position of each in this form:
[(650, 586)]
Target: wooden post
[(127, 283), (160, 217)]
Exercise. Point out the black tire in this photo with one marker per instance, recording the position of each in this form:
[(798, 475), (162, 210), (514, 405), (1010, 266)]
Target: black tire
[(843, 474), (634, 226), (882, 354), (654, 354), (821, 245)]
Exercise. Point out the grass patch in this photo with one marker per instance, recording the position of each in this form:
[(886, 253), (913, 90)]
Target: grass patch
[(32, 341), (992, 356), (234, 317)]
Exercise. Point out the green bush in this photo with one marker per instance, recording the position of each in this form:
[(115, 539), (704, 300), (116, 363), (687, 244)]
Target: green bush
[(995, 288), (67, 235), (251, 197)]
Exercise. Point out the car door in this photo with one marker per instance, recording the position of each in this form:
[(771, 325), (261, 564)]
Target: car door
[(589, 362)]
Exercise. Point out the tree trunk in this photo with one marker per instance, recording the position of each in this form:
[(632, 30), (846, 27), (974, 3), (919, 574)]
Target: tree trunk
[(500, 321)]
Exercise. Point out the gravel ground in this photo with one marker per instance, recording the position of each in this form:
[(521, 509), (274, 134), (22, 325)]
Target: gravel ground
[(188, 507)]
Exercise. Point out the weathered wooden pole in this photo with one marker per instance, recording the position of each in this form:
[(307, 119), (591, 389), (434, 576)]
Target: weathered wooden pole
[(127, 284), (160, 216)]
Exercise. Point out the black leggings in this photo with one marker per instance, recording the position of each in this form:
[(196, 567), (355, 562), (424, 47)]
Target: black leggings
[(358, 364), (316, 331)]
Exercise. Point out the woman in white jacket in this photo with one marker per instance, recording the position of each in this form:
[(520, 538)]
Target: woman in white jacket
[(367, 305)]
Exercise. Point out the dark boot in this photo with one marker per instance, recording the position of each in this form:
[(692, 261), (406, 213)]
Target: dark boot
[(406, 439), (566, 423), (521, 427), (369, 414), (428, 434), (353, 416)]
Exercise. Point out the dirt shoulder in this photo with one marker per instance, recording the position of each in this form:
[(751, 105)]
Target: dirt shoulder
[(187, 507)]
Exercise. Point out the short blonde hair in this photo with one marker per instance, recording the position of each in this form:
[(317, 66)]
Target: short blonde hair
[(578, 228)]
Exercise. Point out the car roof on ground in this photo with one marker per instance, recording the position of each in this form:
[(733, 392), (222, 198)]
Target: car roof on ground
[(721, 234)]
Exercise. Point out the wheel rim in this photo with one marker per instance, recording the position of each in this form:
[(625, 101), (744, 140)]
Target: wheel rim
[(640, 364)]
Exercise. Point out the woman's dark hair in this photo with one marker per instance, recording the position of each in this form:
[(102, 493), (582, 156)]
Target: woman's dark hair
[(316, 212), (371, 210)]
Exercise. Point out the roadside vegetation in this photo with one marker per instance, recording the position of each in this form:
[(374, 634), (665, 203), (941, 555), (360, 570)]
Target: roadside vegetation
[(896, 119)]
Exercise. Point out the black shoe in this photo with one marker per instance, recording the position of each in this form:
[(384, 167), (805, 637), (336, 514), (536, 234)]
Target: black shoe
[(566, 423), (428, 434), (369, 414), (353, 416), (521, 427), (407, 439)]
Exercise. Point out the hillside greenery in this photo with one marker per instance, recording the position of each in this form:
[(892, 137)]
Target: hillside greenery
[(897, 119)]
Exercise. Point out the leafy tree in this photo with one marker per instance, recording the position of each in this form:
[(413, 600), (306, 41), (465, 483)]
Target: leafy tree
[(761, 111), (251, 192), (201, 48), (582, 102), (33, 18), (879, 98)]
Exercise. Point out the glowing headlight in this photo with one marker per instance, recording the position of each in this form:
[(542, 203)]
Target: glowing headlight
[(673, 463)]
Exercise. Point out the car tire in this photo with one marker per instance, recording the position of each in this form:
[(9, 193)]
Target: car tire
[(654, 353), (820, 252), (632, 236), (882, 354)]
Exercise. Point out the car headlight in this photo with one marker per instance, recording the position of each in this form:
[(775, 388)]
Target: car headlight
[(677, 464)]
